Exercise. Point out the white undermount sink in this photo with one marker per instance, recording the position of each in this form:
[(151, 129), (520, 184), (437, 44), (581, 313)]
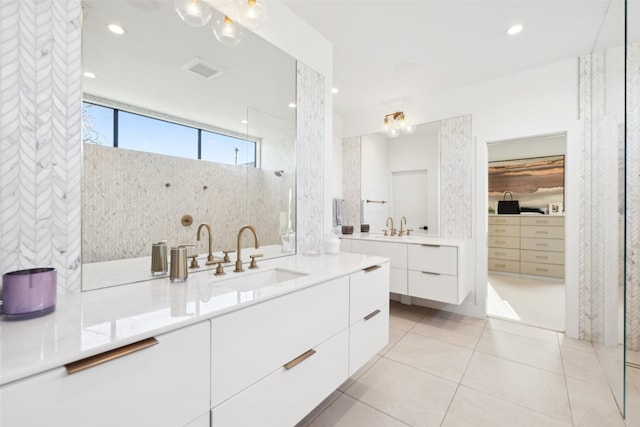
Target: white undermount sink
[(252, 280)]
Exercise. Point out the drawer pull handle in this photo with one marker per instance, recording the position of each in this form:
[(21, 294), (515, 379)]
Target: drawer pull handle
[(369, 316), (541, 232), (304, 356), (500, 230), (542, 244), (431, 273), (107, 356), (542, 269), (543, 221), (430, 246), (500, 253), (500, 242), (501, 265), (541, 257), (372, 268)]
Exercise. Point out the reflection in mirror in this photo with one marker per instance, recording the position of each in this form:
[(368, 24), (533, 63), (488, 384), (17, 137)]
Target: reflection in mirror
[(400, 178), (224, 128)]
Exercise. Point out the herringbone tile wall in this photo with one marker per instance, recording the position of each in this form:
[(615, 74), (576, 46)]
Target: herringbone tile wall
[(40, 152)]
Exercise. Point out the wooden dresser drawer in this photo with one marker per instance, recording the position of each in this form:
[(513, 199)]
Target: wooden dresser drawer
[(504, 265), (503, 253), (550, 270), (542, 257), (553, 245), (504, 230), (555, 221), (505, 220), (504, 242), (542, 231)]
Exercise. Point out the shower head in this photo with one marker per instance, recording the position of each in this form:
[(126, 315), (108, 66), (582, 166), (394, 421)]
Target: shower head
[(278, 173)]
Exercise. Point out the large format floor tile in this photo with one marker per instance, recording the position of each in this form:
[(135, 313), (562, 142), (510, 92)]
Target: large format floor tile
[(524, 385), (448, 330), (437, 357), (408, 394), (472, 408), (404, 317), (346, 411), (521, 349), (523, 330), (394, 336), (592, 405), (582, 365)]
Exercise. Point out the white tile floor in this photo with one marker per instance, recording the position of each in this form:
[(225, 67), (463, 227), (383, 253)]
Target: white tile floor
[(448, 370)]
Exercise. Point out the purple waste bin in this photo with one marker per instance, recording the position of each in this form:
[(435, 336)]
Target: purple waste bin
[(28, 293)]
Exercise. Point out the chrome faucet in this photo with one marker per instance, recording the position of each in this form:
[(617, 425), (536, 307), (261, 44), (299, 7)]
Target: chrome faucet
[(239, 259), (210, 259), (393, 230), (401, 232)]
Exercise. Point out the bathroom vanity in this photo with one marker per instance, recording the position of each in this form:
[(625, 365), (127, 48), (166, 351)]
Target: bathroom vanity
[(262, 347), (425, 267)]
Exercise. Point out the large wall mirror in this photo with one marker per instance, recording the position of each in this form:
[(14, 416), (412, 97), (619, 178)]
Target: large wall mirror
[(236, 102), (400, 177)]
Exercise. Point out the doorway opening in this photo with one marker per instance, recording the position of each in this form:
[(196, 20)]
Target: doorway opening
[(526, 247)]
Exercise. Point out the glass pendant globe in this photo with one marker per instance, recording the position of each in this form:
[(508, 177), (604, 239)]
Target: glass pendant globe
[(226, 31), (252, 13), (194, 12)]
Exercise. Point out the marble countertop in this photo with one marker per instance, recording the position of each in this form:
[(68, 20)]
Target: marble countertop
[(416, 239), (93, 322)]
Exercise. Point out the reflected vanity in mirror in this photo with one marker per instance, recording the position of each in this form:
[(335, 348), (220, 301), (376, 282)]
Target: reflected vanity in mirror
[(399, 177), (225, 107)]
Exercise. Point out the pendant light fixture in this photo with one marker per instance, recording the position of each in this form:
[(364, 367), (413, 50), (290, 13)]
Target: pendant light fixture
[(395, 124), (194, 12), (226, 30), (252, 13)]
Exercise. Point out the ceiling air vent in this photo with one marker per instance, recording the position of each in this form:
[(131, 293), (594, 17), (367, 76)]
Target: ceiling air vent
[(202, 68)]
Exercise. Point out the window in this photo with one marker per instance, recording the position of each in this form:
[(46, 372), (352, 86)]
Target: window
[(136, 132), (122, 129)]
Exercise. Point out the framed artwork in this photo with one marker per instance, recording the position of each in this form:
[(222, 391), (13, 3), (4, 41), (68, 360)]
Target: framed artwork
[(555, 208)]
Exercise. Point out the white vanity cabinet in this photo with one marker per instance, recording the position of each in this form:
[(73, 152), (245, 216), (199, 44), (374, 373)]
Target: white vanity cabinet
[(368, 314), (273, 362), (439, 273), (397, 254), (166, 384)]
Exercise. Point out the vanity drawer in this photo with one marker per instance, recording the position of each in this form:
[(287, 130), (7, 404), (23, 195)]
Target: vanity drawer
[(504, 220), (166, 384), (285, 396), (433, 259), (369, 290), (554, 245), (504, 230), (287, 326), (543, 257), (395, 251), (550, 270), (504, 242), (504, 265), (503, 253), (436, 287), (543, 231), (398, 281), (555, 221), (368, 336)]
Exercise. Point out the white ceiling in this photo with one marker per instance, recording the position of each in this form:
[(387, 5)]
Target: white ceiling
[(386, 52)]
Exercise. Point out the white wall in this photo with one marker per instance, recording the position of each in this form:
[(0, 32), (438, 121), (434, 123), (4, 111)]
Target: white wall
[(375, 180), (535, 102)]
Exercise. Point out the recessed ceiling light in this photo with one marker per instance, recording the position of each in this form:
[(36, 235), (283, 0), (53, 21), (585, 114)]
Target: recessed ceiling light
[(515, 29), (244, 122), (334, 90), (292, 105), (89, 75), (116, 29)]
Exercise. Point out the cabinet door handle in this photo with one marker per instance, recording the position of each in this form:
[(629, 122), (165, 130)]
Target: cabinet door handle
[(430, 246), (372, 268), (369, 316), (299, 359), (107, 356), (431, 273)]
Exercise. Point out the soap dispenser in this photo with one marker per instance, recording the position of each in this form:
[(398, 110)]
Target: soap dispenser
[(178, 271)]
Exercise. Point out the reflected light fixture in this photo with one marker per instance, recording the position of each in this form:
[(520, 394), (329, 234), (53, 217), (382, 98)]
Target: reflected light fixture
[(252, 13), (226, 31), (194, 12), (89, 75), (395, 124), (116, 29), (292, 105), (515, 29)]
